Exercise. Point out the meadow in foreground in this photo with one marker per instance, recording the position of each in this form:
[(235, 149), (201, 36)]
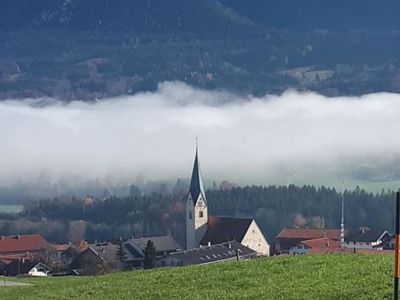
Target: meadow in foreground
[(309, 277)]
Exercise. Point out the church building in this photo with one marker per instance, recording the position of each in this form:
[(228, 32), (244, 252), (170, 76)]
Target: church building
[(205, 230)]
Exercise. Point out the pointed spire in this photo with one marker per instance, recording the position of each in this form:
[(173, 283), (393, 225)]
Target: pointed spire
[(196, 182)]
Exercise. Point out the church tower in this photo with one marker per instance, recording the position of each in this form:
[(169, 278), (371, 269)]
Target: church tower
[(196, 207)]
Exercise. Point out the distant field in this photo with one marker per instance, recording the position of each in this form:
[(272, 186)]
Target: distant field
[(309, 277), (9, 208)]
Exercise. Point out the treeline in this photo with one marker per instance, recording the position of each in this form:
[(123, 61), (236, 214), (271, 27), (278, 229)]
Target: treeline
[(273, 207)]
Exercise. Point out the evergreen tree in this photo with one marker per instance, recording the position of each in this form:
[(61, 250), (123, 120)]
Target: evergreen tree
[(149, 255)]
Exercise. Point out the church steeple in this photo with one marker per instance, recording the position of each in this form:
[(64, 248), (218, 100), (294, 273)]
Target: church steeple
[(196, 182), (196, 207)]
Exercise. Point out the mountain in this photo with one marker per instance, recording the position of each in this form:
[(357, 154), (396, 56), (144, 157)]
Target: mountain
[(88, 49), (166, 17), (320, 14)]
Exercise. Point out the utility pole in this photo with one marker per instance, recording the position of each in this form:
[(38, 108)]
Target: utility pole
[(342, 220), (396, 259)]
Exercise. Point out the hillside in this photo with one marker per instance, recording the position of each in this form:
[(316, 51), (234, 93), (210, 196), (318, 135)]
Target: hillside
[(163, 17), (323, 14), (92, 49), (309, 277)]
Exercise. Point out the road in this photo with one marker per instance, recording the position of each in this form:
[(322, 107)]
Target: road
[(12, 283)]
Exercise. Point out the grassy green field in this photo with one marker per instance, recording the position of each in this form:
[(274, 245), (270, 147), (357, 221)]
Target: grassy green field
[(308, 277)]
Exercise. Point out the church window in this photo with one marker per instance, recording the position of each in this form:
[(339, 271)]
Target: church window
[(190, 214), (201, 214)]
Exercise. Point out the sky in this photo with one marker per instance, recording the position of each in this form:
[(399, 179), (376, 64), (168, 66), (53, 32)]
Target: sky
[(301, 138)]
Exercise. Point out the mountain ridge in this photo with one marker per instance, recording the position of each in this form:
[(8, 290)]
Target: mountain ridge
[(171, 17)]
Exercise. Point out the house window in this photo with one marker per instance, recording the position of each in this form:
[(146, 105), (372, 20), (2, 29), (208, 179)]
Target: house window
[(201, 214), (190, 214)]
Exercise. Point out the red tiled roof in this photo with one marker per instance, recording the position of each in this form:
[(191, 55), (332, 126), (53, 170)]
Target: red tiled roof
[(308, 234), (22, 243), (322, 245), (15, 258)]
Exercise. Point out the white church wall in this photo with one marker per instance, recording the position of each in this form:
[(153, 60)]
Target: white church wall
[(201, 220), (255, 240)]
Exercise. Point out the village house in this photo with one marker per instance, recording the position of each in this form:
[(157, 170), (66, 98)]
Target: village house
[(322, 245), (98, 259), (223, 252), (291, 237), (40, 270), (202, 229), (364, 238), (134, 249), (33, 244), (19, 253), (65, 255)]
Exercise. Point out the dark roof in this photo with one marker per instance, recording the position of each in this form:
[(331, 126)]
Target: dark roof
[(196, 182), (22, 243), (107, 252), (161, 243), (211, 254), (225, 229), (308, 233), (364, 235)]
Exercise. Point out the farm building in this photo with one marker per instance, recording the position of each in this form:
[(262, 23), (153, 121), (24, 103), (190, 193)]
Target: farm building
[(22, 244), (19, 253), (364, 238), (291, 237), (322, 245), (98, 259)]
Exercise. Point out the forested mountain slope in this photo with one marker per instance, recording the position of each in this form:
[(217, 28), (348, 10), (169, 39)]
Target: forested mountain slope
[(92, 49), (321, 14), (205, 18)]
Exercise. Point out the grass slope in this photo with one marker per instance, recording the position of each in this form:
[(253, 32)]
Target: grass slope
[(311, 277)]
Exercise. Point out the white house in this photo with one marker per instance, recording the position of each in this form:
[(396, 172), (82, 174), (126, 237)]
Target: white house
[(39, 270)]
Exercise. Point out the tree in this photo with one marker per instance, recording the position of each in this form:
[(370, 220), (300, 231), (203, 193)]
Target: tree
[(149, 255)]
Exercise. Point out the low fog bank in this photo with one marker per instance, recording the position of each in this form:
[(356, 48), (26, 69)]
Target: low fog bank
[(291, 138)]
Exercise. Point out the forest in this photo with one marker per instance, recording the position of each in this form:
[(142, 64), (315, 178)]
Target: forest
[(87, 50), (273, 207)]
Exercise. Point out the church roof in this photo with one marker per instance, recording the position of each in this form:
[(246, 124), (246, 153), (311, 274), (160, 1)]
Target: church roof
[(225, 229), (196, 182), (161, 243), (215, 253)]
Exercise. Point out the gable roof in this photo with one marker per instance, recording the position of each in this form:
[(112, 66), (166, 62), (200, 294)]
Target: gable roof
[(322, 245), (225, 229), (308, 234), (42, 266), (107, 252), (364, 235), (212, 254), (22, 243), (161, 243), (196, 182)]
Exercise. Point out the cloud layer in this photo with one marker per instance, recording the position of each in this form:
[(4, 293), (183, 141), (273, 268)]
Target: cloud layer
[(274, 139)]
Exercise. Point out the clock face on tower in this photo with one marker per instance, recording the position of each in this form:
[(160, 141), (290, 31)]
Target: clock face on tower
[(201, 202)]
